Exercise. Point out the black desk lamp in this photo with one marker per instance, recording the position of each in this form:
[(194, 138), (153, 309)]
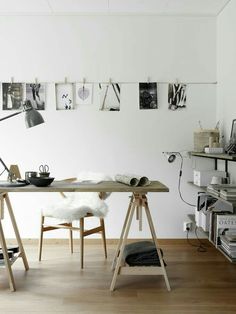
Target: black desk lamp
[(32, 116)]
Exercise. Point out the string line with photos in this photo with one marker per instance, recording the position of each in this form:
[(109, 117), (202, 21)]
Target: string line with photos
[(70, 94)]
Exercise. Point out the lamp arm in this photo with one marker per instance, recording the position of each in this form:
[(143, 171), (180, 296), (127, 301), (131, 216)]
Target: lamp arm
[(10, 174), (4, 165), (11, 115)]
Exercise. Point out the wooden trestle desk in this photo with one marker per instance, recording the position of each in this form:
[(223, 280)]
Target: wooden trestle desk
[(138, 201)]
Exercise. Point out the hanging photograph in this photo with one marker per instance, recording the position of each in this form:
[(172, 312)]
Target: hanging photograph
[(64, 96), (83, 94), (148, 96), (36, 93), (109, 97), (177, 96), (12, 95)]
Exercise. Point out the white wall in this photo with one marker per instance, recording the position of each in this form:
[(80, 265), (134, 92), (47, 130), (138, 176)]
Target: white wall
[(125, 48), (226, 72)]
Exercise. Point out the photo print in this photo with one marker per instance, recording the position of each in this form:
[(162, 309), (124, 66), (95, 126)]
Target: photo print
[(176, 96), (109, 97), (36, 93), (148, 96), (64, 96), (12, 95), (83, 93)]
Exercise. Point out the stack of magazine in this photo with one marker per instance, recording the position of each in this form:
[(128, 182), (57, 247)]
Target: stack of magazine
[(228, 194), (228, 244), (213, 189), (12, 253), (225, 191)]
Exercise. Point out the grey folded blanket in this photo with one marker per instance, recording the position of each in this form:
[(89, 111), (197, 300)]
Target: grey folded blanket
[(142, 253)]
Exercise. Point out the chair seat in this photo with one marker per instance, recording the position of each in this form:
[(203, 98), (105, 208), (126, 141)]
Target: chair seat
[(76, 206)]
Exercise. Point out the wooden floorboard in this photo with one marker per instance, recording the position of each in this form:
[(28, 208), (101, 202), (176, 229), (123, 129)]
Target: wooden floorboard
[(201, 283)]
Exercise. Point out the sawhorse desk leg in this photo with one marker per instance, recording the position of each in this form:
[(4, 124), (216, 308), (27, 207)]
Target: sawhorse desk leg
[(137, 202), (4, 199)]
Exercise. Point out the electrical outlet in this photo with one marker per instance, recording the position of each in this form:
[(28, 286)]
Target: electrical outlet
[(187, 226)]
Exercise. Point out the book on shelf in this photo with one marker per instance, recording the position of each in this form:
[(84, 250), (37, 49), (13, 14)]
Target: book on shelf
[(228, 194), (232, 259), (219, 223), (228, 246), (229, 252), (230, 235), (222, 189), (228, 243), (226, 221), (213, 190), (227, 191)]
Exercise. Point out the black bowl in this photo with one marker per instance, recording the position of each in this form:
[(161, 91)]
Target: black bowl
[(40, 181)]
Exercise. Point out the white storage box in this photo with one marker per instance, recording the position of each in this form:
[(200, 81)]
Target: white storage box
[(205, 221), (202, 219), (197, 217), (203, 177)]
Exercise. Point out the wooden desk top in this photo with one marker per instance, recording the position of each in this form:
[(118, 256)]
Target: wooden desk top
[(105, 186)]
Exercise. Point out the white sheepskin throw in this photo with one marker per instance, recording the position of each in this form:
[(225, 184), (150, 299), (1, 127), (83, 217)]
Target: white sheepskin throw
[(76, 205), (93, 176)]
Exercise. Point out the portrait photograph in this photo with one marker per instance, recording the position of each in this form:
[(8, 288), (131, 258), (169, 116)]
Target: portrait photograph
[(12, 95), (36, 93)]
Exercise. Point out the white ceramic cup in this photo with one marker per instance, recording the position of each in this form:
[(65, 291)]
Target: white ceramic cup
[(216, 180)]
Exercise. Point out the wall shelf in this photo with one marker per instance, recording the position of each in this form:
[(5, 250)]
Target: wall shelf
[(215, 156), (226, 158)]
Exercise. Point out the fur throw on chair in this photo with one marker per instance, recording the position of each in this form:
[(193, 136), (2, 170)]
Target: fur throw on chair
[(76, 205)]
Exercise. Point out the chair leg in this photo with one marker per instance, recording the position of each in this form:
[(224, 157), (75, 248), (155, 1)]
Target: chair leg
[(41, 238), (81, 242), (71, 240), (103, 236)]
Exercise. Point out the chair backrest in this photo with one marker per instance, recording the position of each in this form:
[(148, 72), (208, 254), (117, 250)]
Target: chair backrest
[(90, 176), (67, 180), (96, 177)]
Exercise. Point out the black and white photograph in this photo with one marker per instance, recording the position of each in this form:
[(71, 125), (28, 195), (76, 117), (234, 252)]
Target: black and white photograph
[(36, 93), (110, 96), (83, 93), (12, 95), (233, 131), (148, 96), (176, 96), (231, 147), (64, 96)]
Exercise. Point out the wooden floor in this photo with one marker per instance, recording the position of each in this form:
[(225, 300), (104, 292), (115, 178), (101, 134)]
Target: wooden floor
[(200, 282)]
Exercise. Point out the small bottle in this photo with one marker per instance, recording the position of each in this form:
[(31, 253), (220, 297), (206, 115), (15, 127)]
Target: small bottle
[(211, 140)]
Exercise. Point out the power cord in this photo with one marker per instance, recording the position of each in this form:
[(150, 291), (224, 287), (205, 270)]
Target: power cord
[(179, 183), (201, 247)]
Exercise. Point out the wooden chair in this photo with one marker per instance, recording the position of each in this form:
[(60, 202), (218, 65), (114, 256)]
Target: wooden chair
[(69, 226)]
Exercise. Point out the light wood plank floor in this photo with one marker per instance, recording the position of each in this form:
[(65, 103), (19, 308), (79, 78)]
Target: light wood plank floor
[(201, 283)]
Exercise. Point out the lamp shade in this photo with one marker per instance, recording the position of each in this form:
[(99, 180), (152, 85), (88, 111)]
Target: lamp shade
[(32, 116), (170, 156)]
